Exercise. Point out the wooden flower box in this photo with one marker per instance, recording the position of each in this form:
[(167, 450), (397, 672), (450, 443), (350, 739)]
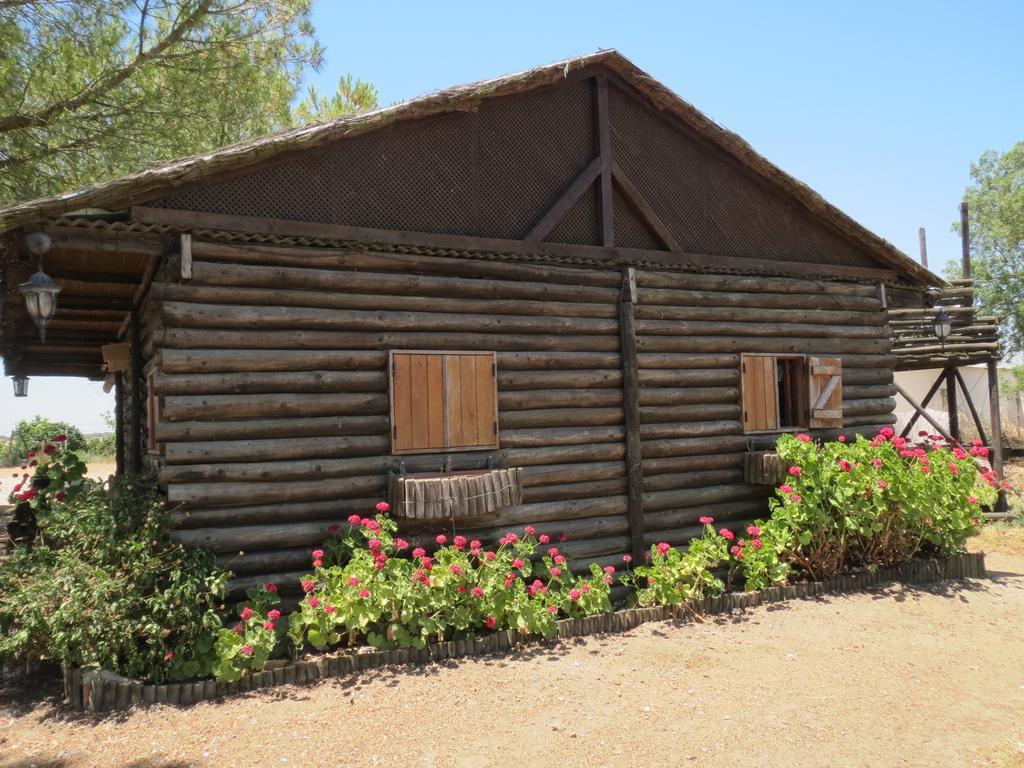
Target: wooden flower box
[(431, 496), (763, 468)]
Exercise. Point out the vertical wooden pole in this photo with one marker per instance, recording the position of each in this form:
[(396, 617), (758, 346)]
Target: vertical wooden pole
[(119, 422), (604, 144), (136, 395), (923, 243), (954, 410), (631, 410), (965, 239), (997, 429)]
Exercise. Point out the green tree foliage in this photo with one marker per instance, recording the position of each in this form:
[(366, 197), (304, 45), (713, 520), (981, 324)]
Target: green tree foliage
[(98, 88), (353, 96), (996, 216), (31, 434)]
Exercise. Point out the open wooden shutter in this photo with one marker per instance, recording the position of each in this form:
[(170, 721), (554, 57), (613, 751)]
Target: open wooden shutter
[(825, 391), (760, 394), (470, 386)]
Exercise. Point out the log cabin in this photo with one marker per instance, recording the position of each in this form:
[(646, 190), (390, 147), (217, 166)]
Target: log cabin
[(564, 298)]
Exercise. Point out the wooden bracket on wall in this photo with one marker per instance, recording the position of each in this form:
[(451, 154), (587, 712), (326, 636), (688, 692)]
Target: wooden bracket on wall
[(186, 256)]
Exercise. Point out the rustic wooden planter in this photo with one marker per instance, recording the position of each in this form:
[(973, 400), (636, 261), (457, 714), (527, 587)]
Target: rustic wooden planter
[(763, 468), (97, 691), (438, 496)]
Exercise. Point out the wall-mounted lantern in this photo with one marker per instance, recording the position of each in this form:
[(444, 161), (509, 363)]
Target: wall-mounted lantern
[(943, 326), (40, 291), (20, 386)]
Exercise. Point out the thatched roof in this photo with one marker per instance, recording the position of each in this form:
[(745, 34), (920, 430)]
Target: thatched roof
[(160, 179)]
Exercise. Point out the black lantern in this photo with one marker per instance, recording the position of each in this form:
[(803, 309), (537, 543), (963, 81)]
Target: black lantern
[(40, 291), (943, 325), (20, 386)]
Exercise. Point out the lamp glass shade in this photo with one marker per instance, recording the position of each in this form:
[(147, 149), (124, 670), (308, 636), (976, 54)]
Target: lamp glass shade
[(20, 386), (40, 294), (943, 325)]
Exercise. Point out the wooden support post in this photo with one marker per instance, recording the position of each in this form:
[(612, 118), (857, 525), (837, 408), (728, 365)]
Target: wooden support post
[(965, 240), (954, 411), (924, 247), (997, 429), (604, 144), (970, 405), (119, 422), (135, 372), (186, 256), (924, 404), (631, 413)]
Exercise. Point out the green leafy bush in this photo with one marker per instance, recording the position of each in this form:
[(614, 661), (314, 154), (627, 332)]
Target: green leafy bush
[(874, 502), (672, 577), (31, 435), (106, 587)]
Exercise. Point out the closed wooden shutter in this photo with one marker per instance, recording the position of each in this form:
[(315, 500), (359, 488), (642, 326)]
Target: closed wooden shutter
[(443, 400), (825, 391), (470, 387), (760, 394)]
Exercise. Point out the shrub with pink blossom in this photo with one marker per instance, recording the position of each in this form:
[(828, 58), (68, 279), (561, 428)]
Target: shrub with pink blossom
[(247, 645)]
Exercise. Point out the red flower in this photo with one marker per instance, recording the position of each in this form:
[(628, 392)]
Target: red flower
[(477, 592), (555, 572), (474, 544), (28, 495), (529, 530), (169, 655), (563, 538), (60, 438), (886, 432), (318, 554), (845, 465), (318, 563), (419, 552), (795, 497), (441, 539), (786, 488), (459, 542), (559, 559), (247, 650), (49, 450), (977, 442), (456, 569), (510, 580), (753, 530), (627, 558), (238, 629), (270, 586), (795, 471), (308, 586), (585, 588), (544, 538), (353, 581), (427, 562), (314, 602), (512, 537), (18, 487), (383, 507), (553, 551), (842, 438), (489, 555), (803, 438), (273, 614), (757, 543), (876, 463), (954, 469), (354, 519), (1006, 486), (574, 594), (329, 608), (490, 622), (269, 626), (517, 563), (246, 614), (882, 484), (374, 545), (609, 569), (926, 469), (726, 534), (401, 544), (972, 500), (705, 520), (553, 608), (663, 548), (31, 454)]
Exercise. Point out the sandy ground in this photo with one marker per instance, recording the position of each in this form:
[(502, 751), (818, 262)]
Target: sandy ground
[(894, 677)]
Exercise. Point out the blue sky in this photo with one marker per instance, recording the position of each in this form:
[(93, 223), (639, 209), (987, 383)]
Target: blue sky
[(881, 107)]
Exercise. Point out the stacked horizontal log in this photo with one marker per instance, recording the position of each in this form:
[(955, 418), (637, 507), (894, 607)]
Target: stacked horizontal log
[(271, 366), (973, 338), (692, 330)]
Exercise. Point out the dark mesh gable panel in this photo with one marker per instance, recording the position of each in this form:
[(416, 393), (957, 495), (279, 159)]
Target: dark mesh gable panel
[(488, 173), (710, 204)]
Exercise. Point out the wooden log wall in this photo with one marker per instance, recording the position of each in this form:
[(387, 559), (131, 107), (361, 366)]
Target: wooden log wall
[(271, 369), (272, 374), (691, 331)]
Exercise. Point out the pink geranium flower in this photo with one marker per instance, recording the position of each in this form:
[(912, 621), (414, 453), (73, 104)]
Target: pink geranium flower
[(273, 614), (246, 614), (725, 533), (247, 650), (795, 471), (705, 520), (627, 558), (313, 602), (354, 519), (383, 507), (663, 548), (574, 594), (364, 593), (490, 622), (441, 539)]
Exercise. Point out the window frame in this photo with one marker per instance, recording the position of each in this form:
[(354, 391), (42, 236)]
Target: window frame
[(805, 411), (443, 354)]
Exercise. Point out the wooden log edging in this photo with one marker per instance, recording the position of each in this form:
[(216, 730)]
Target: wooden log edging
[(94, 691)]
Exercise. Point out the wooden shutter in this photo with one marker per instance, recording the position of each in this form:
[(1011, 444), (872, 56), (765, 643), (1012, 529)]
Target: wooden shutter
[(760, 393), (825, 391), (470, 387), (417, 401), (443, 400)]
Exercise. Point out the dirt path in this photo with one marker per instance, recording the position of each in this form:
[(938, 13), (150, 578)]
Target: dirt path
[(897, 677)]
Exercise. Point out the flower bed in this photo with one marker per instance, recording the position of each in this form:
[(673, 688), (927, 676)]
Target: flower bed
[(98, 693)]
